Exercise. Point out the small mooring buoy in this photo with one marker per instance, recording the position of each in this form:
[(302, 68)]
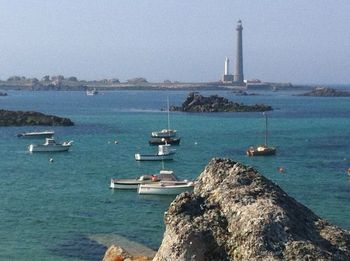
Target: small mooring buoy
[(280, 169)]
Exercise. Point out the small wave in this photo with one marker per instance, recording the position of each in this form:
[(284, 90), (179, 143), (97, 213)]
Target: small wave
[(138, 110)]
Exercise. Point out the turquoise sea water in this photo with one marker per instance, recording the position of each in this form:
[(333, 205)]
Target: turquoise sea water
[(61, 210)]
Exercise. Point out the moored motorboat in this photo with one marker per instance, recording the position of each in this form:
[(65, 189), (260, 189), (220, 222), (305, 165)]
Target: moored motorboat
[(50, 145), (165, 152), (163, 175), (166, 188), (161, 141), (91, 92), (37, 134)]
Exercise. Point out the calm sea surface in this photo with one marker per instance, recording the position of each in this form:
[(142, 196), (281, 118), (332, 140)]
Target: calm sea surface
[(64, 210)]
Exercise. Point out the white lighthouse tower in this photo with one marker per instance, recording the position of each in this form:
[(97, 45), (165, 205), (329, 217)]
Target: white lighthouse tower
[(227, 77), (227, 66)]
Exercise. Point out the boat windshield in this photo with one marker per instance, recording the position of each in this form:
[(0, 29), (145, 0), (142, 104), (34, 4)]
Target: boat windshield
[(145, 177)]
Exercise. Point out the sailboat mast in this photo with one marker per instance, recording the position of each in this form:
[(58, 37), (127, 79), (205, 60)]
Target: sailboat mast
[(265, 129), (168, 113)]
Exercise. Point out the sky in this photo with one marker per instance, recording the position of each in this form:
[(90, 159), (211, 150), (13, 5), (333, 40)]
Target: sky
[(293, 41)]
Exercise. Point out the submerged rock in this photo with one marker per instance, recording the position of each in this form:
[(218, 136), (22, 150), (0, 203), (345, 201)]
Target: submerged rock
[(235, 213), (22, 118), (198, 103), (116, 253), (326, 92)]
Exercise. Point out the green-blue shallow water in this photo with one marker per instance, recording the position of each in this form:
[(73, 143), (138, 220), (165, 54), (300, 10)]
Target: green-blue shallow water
[(52, 211)]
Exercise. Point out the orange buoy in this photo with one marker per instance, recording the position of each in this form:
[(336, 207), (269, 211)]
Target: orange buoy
[(349, 171)]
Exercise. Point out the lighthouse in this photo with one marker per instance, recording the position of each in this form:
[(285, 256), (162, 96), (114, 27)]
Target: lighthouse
[(227, 77), (238, 73), (227, 66)]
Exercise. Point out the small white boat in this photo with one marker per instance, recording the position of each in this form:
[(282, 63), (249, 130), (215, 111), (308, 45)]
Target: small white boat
[(164, 153), (50, 145), (91, 92), (164, 175), (37, 134), (166, 188)]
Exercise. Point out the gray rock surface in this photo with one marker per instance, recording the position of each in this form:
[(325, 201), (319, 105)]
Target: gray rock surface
[(235, 213)]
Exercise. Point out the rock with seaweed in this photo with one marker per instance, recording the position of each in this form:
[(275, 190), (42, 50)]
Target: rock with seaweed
[(235, 213), (23, 118), (117, 253), (326, 92)]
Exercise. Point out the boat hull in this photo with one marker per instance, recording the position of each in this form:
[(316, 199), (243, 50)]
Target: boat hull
[(43, 148), (128, 183), (162, 141), (163, 175), (36, 135), (145, 157), (164, 134), (159, 189), (117, 185), (265, 152)]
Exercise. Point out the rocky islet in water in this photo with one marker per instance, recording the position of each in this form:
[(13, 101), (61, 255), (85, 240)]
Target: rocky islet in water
[(214, 103), (326, 92), (23, 118)]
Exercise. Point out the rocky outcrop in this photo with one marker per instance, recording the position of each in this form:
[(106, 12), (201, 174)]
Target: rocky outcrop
[(22, 118), (326, 92), (198, 103), (235, 213)]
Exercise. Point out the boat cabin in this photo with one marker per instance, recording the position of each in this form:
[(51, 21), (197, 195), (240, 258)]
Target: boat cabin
[(165, 149), (50, 141)]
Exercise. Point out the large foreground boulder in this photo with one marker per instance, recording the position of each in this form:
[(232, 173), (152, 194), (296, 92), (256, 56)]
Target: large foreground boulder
[(235, 213)]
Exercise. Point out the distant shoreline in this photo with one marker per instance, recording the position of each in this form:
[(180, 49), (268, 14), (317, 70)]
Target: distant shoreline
[(83, 86)]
